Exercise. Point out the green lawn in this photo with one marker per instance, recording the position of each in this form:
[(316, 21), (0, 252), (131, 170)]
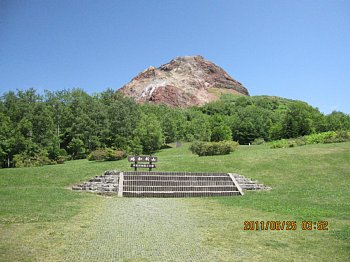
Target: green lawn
[(42, 220)]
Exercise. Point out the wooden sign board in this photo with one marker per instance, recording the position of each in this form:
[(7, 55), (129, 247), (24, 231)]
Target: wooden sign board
[(142, 159), (138, 159), (144, 165)]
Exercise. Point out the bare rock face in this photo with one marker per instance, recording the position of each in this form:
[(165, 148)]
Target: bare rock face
[(183, 82)]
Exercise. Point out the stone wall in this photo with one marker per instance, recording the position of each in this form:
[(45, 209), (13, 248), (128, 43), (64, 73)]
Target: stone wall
[(105, 184)]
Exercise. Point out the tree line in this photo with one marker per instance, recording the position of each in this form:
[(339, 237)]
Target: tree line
[(71, 123)]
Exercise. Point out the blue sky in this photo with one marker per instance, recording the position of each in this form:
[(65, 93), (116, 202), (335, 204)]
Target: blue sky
[(293, 49)]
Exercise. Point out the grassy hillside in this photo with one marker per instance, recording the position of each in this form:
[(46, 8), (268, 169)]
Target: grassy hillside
[(41, 219)]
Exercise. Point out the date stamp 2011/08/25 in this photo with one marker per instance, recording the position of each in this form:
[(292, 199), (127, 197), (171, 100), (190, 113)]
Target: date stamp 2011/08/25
[(285, 225)]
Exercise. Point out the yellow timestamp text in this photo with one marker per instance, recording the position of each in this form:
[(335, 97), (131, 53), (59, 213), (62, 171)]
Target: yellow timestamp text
[(284, 225)]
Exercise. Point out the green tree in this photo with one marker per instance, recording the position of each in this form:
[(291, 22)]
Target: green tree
[(197, 126), (251, 122), (337, 121), (5, 145), (298, 121), (76, 148), (123, 115), (173, 124), (220, 130), (149, 132)]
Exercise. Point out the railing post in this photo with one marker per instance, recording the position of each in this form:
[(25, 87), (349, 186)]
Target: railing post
[(120, 184), (236, 183)]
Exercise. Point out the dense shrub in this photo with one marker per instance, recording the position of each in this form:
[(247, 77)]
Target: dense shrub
[(320, 138), (213, 148), (341, 136), (62, 156), (108, 154), (97, 155), (58, 155), (113, 155), (301, 141), (258, 141), (283, 143), (40, 159)]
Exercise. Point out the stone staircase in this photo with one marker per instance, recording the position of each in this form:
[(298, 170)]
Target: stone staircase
[(169, 184), (178, 184)]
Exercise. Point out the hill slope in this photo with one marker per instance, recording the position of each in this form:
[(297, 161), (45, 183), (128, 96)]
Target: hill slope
[(41, 220)]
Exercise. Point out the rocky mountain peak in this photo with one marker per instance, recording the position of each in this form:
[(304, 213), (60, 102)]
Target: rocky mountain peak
[(184, 81)]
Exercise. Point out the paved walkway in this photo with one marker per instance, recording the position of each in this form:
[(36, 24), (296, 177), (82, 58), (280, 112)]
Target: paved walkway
[(143, 229)]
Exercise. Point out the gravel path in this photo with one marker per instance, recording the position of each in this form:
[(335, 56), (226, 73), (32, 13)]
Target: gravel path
[(142, 229)]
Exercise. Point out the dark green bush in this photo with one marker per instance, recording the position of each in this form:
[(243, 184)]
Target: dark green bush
[(98, 155), (62, 152), (113, 155), (283, 143), (213, 148), (341, 136), (108, 154), (258, 141), (60, 160), (320, 138), (39, 159), (62, 156), (300, 141)]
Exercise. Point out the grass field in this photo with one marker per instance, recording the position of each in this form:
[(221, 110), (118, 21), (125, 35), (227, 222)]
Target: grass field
[(42, 220)]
